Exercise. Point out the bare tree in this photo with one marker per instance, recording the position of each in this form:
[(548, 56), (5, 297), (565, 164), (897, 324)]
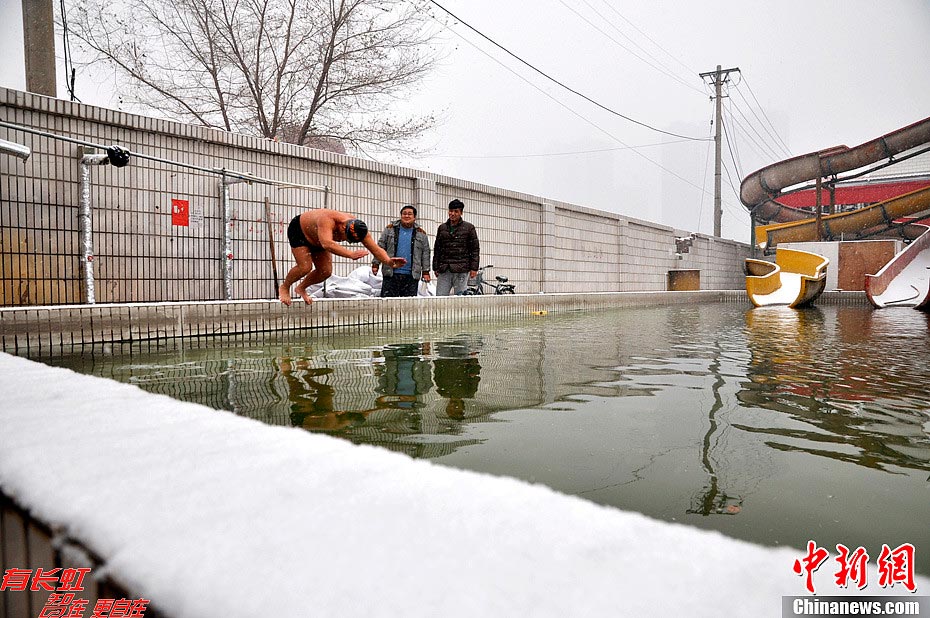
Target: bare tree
[(303, 71)]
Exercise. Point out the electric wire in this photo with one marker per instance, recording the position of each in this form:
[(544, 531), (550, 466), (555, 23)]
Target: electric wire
[(734, 141), (704, 186), (577, 114), (661, 68), (770, 139), (740, 213), (761, 109), (559, 154), (688, 69), (702, 189), (556, 81), (761, 145), (730, 141), (70, 72)]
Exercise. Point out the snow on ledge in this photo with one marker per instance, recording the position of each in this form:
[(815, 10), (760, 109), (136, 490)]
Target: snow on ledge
[(212, 514)]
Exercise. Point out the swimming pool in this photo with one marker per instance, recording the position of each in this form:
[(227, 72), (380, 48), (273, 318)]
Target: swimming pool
[(773, 425)]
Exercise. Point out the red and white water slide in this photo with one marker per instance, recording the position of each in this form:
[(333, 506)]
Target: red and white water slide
[(905, 280)]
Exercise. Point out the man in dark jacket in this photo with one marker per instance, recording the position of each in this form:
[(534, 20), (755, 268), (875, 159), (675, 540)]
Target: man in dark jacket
[(455, 252)]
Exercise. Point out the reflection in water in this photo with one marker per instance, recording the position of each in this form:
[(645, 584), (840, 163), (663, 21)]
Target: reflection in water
[(311, 400), (402, 412), (457, 373), (401, 403), (802, 423), (849, 383), (713, 499)]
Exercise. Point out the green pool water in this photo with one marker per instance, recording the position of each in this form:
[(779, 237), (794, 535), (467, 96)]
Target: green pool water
[(772, 425)]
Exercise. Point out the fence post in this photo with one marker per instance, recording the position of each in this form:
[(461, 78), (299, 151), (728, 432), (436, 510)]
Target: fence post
[(225, 181), (87, 231)]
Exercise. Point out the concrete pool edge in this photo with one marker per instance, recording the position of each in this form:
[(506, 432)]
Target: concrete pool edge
[(46, 328)]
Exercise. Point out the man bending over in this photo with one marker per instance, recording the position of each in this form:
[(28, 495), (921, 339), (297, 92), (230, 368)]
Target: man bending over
[(314, 237)]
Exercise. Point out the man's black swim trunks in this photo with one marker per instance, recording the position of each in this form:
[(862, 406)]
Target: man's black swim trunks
[(296, 237)]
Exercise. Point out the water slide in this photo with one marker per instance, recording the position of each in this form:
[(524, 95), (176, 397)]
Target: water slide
[(861, 223), (760, 191), (905, 280), (797, 280)]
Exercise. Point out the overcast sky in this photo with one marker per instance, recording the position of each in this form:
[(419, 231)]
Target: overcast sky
[(813, 74)]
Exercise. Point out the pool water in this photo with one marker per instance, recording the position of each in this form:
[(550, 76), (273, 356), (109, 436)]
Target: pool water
[(772, 425)]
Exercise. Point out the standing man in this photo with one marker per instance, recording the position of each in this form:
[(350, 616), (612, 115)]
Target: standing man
[(314, 237), (456, 252), (404, 239)]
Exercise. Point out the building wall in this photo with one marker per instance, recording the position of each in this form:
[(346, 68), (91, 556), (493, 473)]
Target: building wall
[(141, 256)]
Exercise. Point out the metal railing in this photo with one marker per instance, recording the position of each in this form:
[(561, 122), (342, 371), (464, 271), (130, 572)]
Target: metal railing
[(118, 157)]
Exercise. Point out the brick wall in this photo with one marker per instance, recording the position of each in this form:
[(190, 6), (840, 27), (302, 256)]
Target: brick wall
[(140, 256)]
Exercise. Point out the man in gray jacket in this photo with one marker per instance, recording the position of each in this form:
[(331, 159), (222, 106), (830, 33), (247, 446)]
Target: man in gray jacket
[(404, 239)]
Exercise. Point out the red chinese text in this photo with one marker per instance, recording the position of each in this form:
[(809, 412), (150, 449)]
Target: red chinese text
[(895, 566)]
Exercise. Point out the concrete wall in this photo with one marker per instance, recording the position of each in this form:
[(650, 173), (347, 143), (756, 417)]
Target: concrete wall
[(140, 256)]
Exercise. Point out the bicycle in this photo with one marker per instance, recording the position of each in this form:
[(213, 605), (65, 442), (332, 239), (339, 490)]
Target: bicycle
[(501, 287)]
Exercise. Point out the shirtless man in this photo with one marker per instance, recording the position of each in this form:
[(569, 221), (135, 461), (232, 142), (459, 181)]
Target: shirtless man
[(314, 237)]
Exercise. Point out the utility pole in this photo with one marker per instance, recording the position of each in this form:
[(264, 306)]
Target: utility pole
[(719, 77), (39, 47)]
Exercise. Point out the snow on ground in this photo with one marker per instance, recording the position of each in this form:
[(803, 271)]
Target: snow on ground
[(211, 514)]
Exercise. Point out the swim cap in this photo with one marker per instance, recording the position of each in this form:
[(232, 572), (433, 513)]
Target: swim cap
[(356, 230)]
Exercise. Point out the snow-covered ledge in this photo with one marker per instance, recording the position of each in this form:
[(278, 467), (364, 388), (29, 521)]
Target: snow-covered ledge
[(211, 514)]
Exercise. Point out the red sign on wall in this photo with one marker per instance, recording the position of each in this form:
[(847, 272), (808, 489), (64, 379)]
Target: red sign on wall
[(180, 212)]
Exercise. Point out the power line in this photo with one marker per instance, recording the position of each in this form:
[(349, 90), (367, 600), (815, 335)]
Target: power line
[(733, 157), (559, 154), (554, 80), (667, 53), (567, 108), (578, 115), (704, 186), (661, 68), (739, 159), (739, 215), (731, 185), (773, 139), (788, 150), (70, 73), (764, 149), (729, 141)]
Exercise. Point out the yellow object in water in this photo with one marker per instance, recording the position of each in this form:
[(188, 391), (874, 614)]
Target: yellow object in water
[(796, 278), (540, 313)]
